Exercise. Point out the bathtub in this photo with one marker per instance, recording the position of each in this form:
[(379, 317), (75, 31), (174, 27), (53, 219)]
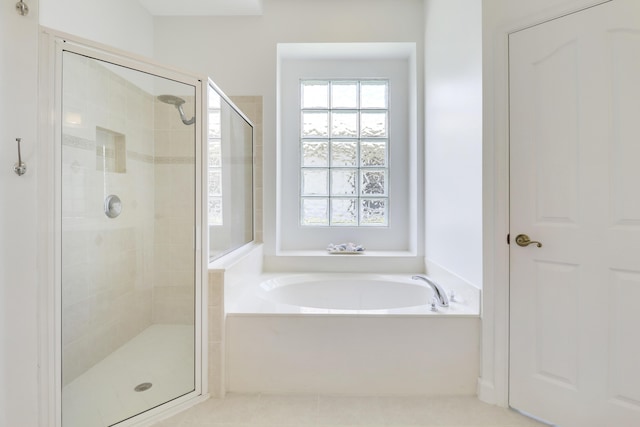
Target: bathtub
[(349, 334)]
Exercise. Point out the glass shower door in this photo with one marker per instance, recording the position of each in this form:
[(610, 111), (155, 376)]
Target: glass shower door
[(128, 257)]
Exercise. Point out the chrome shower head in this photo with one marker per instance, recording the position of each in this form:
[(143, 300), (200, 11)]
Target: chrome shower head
[(171, 100), (177, 102)]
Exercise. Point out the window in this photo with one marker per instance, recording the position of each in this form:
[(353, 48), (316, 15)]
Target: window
[(347, 148), (344, 149)]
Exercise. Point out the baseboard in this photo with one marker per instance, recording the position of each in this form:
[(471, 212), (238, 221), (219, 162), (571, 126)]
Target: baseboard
[(487, 392)]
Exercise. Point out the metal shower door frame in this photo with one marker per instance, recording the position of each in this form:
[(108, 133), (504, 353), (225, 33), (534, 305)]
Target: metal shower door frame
[(52, 46)]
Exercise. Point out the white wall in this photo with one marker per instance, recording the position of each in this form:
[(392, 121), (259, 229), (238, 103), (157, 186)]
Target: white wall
[(18, 211), (239, 53), (499, 18), (123, 24), (453, 135)]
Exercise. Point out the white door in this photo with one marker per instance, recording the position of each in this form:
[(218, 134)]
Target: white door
[(575, 188)]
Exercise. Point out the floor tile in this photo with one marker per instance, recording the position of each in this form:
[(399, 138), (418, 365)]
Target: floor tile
[(234, 409), (238, 410), (350, 411), (286, 411)]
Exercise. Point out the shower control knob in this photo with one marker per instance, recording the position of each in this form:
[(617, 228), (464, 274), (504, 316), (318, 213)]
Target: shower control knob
[(112, 206)]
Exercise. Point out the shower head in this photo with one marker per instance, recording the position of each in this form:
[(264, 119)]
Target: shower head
[(177, 102), (171, 100)]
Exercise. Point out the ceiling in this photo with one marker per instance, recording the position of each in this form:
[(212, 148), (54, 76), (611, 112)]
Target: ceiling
[(202, 7)]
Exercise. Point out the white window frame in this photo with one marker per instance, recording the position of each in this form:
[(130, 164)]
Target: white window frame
[(394, 62)]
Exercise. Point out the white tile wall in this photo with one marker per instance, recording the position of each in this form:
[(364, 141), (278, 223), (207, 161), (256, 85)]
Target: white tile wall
[(106, 282), (174, 196), (121, 275), (216, 337)]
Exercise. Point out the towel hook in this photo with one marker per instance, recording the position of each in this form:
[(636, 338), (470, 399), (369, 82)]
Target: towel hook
[(22, 8), (19, 168)]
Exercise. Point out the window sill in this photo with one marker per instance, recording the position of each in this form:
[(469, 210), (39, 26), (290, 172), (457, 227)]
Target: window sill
[(369, 261), (324, 253)]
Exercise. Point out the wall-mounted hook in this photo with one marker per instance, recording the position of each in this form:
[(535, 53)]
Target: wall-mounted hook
[(19, 168), (22, 8)]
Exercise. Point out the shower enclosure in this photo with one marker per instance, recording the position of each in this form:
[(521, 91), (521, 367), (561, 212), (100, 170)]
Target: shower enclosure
[(129, 221), (230, 173)]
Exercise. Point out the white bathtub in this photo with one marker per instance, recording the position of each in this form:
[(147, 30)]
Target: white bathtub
[(353, 334), (344, 293)]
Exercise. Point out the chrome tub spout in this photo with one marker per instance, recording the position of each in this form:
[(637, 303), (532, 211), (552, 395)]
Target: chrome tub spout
[(439, 294)]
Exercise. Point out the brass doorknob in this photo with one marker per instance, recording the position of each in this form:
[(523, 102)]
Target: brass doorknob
[(524, 240)]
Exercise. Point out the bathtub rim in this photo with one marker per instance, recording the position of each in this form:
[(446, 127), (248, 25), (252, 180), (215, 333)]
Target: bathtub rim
[(242, 298)]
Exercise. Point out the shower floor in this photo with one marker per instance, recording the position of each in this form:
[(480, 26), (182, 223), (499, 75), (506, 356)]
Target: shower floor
[(161, 355)]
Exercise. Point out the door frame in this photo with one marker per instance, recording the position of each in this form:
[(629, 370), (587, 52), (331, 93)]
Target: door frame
[(51, 45), (493, 384)]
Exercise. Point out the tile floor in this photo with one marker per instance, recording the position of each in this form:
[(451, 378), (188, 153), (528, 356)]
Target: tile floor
[(238, 410)]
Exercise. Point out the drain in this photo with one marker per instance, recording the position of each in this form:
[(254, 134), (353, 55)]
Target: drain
[(143, 387)]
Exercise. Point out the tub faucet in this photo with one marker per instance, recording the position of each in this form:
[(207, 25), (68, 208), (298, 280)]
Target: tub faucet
[(439, 295)]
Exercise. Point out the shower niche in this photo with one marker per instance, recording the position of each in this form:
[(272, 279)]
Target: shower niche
[(129, 307), (111, 151)]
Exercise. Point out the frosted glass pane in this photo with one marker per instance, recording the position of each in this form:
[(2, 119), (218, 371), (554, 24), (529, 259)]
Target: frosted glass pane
[(344, 124), (315, 123), (373, 153), (315, 95), (344, 212), (315, 153), (344, 182), (344, 153), (373, 124), (373, 212), (344, 95), (215, 211), (373, 182), (315, 182), (373, 95), (215, 154), (215, 182), (314, 211)]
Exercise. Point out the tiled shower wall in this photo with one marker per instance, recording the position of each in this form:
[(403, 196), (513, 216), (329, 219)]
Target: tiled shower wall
[(120, 275), (107, 264), (173, 295)]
